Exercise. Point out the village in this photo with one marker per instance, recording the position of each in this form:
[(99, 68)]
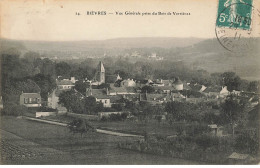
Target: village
[(167, 117)]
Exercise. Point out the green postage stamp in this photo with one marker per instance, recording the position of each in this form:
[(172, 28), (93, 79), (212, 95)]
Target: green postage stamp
[(234, 14)]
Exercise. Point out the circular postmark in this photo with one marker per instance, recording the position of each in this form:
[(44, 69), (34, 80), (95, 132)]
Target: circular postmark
[(236, 26)]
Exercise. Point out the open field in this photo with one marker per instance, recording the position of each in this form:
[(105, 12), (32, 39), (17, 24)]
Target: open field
[(127, 126), (29, 142)]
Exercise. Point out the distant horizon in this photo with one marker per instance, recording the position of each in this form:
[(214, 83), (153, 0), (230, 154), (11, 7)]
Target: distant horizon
[(203, 38)]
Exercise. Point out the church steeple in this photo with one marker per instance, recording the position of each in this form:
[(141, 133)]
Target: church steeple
[(101, 67), (100, 75)]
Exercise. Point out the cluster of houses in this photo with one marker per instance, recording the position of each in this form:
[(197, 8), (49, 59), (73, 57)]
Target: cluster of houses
[(152, 57), (164, 90), (131, 89)]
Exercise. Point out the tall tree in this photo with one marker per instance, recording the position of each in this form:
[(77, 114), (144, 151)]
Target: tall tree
[(147, 89), (233, 111), (46, 84), (63, 69), (231, 80)]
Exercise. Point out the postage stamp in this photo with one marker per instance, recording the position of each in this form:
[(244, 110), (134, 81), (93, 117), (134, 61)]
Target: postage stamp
[(234, 24), (234, 14)]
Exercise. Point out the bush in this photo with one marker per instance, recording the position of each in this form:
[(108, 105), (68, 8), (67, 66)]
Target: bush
[(248, 141), (117, 107), (104, 119), (206, 141), (47, 109), (115, 117), (14, 109)]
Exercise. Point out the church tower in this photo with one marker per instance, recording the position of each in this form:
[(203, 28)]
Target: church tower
[(100, 75)]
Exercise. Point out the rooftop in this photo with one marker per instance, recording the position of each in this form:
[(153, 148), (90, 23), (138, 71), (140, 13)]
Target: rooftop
[(31, 95), (177, 81), (64, 82), (99, 94), (121, 89), (213, 89)]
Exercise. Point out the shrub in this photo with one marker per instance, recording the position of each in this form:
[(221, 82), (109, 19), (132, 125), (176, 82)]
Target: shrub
[(115, 117), (14, 109), (248, 141), (206, 141), (117, 107), (47, 109), (104, 119), (124, 116)]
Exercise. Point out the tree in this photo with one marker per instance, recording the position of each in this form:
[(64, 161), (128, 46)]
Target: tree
[(72, 101), (117, 107), (147, 89), (13, 109), (91, 106), (231, 80), (80, 126), (176, 110), (206, 141), (211, 118), (81, 86), (253, 86), (233, 111), (13, 88), (158, 118), (63, 69), (46, 84), (248, 141)]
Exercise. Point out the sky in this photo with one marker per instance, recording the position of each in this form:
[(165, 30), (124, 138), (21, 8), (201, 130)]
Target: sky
[(52, 20)]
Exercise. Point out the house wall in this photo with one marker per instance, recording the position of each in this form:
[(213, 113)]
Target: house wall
[(106, 102), (61, 87), (41, 114), (53, 102), (32, 105), (179, 87), (128, 83), (30, 102)]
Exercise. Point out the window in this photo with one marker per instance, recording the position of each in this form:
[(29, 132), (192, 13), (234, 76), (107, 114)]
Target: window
[(105, 101), (38, 100), (25, 100), (30, 100)]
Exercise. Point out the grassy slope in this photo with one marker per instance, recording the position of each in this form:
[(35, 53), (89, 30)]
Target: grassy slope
[(91, 149)]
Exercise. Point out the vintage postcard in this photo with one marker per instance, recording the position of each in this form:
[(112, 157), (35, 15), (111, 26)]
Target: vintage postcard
[(109, 82)]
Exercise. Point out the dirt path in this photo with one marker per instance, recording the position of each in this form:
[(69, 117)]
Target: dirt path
[(98, 130)]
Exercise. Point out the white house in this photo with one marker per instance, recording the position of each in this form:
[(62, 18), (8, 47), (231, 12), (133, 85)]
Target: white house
[(30, 99), (177, 84), (224, 92), (65, 84), (53, 99), (100, 95), (128, 83)]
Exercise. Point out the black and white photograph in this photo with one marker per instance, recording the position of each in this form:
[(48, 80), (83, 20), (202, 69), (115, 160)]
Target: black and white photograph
[(109, 82)]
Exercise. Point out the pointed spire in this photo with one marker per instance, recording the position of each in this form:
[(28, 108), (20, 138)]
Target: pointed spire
[(101, 67)]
